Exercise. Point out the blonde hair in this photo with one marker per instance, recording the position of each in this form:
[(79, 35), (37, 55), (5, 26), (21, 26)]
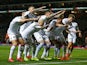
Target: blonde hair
[(72, 15), (61, 16), (30, 7)]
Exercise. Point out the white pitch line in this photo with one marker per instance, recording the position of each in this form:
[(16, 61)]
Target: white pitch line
[(43, 63)]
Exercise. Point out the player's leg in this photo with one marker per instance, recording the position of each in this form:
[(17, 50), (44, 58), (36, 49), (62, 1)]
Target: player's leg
[(69, 46), (28, 52), (41, 41), (13, 40), (27, 49), (46, 48), (57, 50), (33, 46), (20, 49), (64, 51), (64, 44), (57, 46), (25, 52)]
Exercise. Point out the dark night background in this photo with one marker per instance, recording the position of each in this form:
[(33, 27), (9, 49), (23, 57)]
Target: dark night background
[(6, 5)]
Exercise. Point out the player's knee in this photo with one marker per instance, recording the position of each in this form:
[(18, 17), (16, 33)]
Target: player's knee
[(70, 44)]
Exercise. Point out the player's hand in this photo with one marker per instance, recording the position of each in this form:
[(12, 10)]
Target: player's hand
[(80, 35)]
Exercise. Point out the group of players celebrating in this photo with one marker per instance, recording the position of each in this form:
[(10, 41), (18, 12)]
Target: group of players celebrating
[(32, 31)]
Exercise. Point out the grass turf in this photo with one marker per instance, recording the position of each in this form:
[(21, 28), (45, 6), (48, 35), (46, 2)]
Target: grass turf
[(79, 56)]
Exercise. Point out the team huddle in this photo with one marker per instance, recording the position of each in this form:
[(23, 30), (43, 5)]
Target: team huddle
[(32, 31)]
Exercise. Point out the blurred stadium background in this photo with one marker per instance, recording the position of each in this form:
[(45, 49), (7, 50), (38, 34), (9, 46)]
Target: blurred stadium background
[(12, 8)]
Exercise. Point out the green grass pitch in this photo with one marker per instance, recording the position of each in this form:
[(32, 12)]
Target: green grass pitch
[(78, 57)]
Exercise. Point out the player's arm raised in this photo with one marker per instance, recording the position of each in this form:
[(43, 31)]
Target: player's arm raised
[(52, 15), (40, 8), (29, 20), (58, 15)]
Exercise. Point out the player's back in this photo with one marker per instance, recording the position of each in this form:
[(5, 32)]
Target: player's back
[(15, 25)]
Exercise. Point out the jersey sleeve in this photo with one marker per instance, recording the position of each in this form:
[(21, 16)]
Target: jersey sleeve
[(43, 18), (65, 21), (26, 13), (17, 19), (52, 23)]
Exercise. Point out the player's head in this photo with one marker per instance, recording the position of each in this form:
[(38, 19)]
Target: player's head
[(71, 17), (48, 12), (59, 19), (31, 8)]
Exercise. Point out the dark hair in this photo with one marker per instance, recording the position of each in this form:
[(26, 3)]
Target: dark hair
[(61, 17)]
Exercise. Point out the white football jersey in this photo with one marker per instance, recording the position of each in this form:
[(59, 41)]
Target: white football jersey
[(15, 25)]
